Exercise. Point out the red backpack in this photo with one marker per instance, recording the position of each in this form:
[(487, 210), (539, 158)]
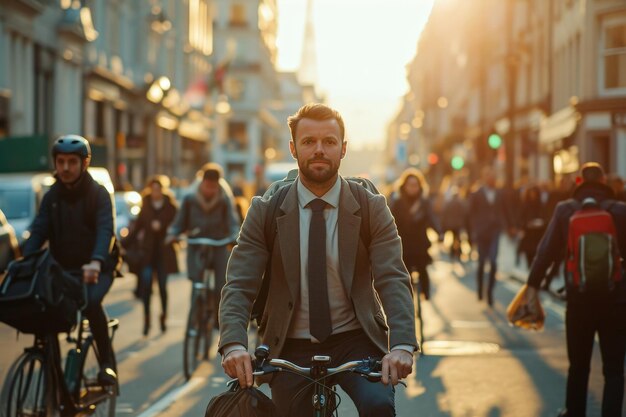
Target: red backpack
[(593, 259)]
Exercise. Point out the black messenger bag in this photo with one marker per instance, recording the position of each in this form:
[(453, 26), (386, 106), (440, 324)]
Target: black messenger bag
[(37, 296)]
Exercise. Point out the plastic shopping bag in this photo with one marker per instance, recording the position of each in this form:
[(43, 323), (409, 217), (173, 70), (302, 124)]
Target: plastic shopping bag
[(525, 310)]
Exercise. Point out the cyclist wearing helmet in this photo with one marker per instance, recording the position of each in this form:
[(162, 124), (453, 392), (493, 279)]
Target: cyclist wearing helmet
[(76, 218)]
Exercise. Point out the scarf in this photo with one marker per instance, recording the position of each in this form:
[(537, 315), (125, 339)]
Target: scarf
[(208, 205)]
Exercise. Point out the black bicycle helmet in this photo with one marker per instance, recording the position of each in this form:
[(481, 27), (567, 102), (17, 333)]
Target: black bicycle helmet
[(72, 144)]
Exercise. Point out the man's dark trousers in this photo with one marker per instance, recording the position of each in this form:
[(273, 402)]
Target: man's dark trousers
[(371, 399), (583, 319), (487, 251)]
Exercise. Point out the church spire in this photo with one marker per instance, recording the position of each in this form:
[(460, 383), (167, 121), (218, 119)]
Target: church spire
[(307, 75)]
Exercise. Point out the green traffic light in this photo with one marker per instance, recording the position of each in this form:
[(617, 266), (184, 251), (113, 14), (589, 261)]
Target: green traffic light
[(457, 162), (495, 141)]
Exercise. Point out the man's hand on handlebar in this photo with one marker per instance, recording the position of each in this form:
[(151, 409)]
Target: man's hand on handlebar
[(396, 365), (238, 364), (91, 272)]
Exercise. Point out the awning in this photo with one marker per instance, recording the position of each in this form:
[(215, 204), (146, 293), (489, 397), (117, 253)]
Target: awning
[(559, 125)]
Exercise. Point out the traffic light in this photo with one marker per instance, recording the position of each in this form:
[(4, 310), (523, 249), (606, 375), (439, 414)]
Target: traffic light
[(433, 158), (494, 141), (457, 162)]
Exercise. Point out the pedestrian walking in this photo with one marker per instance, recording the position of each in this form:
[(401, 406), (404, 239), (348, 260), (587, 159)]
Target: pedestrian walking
[(414, 214), (158, 259), (454, 218), (596, 289), (488, 217), (532, 222), (330, 294)]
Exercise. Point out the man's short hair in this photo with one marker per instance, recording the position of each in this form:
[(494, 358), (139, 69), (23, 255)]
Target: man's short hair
[(315, 111), (592, 172), (211, 171)]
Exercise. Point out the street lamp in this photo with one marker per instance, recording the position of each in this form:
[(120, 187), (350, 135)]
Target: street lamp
[(222, 106)]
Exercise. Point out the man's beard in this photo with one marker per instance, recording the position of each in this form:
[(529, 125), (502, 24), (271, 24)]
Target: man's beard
[(318, 176)]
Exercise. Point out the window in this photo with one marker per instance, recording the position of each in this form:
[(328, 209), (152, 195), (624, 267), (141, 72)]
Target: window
[(601, 150), (613, 72), (44, 90), (100, 119), (4, 115), (238, 15), (237, 135)]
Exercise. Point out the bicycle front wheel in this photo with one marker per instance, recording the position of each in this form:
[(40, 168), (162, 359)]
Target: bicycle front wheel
[(26, 387), (90, 392), (207, 324), (194, 333)]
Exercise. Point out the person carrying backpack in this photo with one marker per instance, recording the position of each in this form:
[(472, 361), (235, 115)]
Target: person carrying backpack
[(590, 229), (321, 300), (76, 217)]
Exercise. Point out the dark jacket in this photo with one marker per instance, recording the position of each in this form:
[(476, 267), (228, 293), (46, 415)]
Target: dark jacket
[(487, 220), (412, 230), (553, 245), (78, 223), (150, 241), (219, 222)]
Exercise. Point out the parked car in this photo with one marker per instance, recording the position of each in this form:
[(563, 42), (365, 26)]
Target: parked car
[(127, 208), (9, 249), (20, 196)]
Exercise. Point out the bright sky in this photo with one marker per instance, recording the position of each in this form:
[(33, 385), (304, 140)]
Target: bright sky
[(363, 47)]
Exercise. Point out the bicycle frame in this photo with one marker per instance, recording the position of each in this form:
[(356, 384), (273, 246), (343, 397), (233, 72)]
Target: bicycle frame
[(203, 305), (63, 386)]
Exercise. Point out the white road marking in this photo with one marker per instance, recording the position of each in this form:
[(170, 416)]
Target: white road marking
[(168, 399)]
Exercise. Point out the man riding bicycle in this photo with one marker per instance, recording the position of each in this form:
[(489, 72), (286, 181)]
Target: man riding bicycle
[(76, 218), (207, 212), (328, 290)]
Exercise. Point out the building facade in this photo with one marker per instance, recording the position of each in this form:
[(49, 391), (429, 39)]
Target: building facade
[(546, 78), (157, 86)]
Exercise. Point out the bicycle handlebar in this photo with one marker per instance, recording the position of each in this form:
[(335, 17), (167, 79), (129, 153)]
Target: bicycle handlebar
[(368, 368), (205, 241)]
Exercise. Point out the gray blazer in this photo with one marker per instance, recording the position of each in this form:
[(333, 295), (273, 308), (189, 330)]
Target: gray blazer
[(384, 310)]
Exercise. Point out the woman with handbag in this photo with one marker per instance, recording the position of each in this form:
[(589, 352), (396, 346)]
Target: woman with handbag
[(159, 208)]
